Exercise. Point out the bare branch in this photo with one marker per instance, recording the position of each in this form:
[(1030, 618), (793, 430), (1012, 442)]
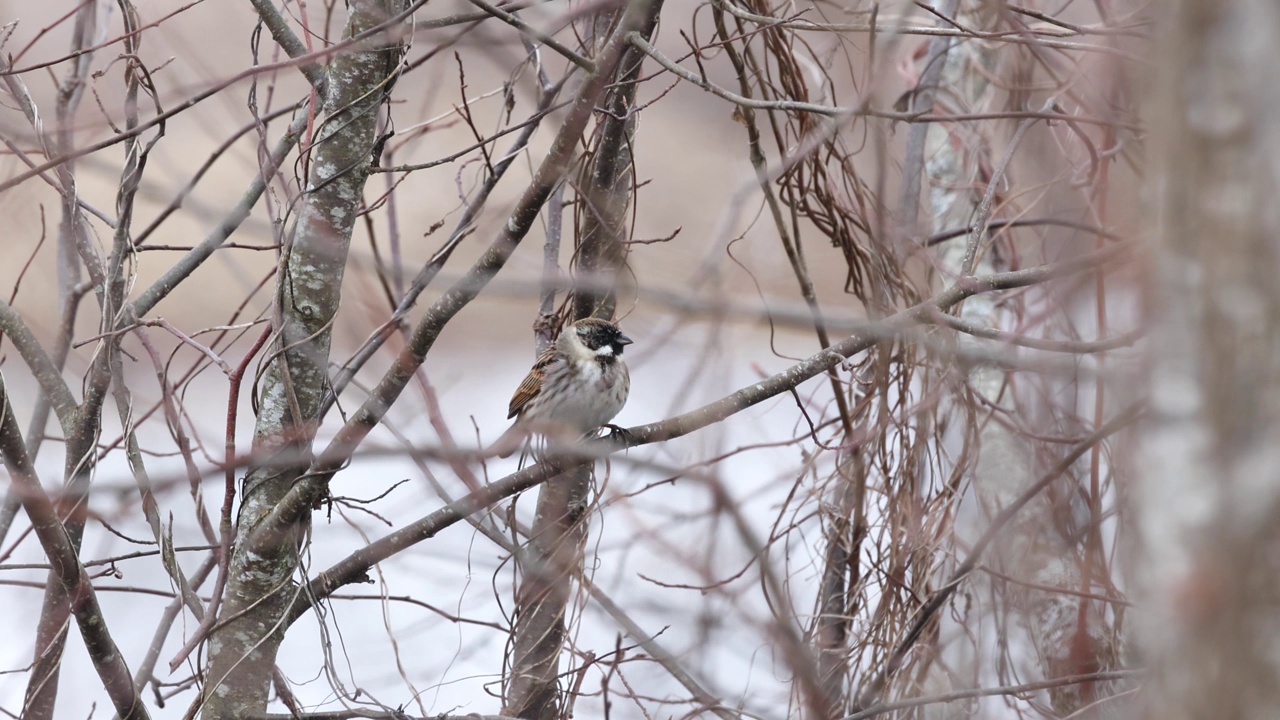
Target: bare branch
[(283, 34), (41, 365), (515, 22), (67, 570)]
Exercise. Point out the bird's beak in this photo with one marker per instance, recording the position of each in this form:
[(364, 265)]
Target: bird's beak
[(624, 340)]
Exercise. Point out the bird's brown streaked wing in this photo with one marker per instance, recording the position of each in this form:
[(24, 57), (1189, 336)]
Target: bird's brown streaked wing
[(531, 386)]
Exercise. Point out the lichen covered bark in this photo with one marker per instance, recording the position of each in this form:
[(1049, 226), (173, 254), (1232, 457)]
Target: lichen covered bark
[(260, 584)]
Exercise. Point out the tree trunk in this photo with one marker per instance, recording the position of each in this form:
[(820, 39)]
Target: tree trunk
[(1208, 506), (553, 555), (260, 585)]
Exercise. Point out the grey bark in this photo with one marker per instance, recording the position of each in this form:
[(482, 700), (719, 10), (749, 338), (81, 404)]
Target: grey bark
[(260, 584)]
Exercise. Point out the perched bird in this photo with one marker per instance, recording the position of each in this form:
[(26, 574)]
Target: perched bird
[(575, 387)]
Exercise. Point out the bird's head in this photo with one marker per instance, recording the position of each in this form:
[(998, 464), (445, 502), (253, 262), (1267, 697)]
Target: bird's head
[(600, 338)]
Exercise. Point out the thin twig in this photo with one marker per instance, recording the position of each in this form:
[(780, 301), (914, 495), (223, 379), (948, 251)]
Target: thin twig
[(873, 687), (886, 708), (536, 34)]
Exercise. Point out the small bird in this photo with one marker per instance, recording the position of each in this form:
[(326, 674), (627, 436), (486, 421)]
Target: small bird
[(575, 387)]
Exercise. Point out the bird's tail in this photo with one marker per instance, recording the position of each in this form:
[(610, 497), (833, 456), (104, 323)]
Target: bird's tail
[(509, 442)]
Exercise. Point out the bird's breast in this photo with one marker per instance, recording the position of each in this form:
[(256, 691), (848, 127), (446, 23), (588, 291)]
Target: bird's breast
[(586, 395)]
